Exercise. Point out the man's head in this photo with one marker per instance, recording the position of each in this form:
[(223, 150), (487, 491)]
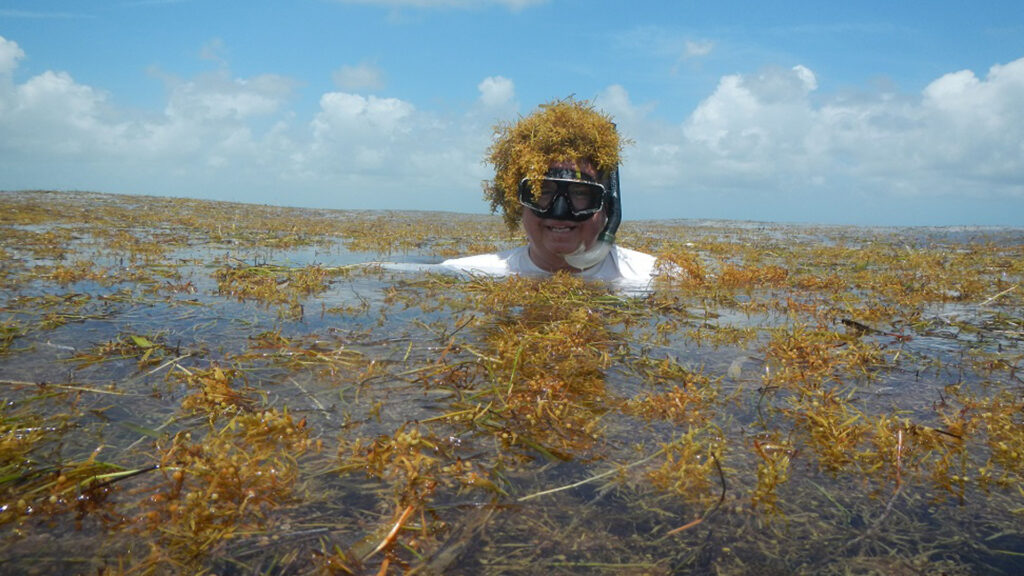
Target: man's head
[(567, 214), (566, 134)]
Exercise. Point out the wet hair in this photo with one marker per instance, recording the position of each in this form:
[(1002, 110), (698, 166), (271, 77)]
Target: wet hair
[(561, 130)]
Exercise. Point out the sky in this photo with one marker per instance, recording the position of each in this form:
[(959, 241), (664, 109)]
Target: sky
[(873, 113)]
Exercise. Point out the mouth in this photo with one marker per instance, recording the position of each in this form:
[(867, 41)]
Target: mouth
[(560, 228)]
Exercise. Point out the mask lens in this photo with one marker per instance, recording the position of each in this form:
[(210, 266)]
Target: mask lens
[(548, 191), (584, 196)]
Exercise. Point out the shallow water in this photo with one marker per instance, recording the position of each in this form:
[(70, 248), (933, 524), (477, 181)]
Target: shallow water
[(803, 400)]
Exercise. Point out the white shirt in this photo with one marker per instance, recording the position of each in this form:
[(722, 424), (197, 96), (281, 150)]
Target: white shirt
[(621, 265)]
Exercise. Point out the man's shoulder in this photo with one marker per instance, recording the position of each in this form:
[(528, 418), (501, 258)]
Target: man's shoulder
[(634, 265), (473, 260), (634, 258), (493, 263)]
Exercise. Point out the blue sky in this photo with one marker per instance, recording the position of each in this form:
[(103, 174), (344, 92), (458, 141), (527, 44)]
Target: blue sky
[(865, 113)]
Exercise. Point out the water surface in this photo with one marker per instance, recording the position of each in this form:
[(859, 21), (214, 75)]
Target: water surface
[(203, 387)]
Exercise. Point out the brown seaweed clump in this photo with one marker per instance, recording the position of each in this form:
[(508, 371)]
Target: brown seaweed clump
[(557, 131)]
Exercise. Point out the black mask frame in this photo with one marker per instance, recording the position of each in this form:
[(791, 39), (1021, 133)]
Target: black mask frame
[(574, 199)]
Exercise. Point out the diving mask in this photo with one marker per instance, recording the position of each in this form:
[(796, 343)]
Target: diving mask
[(564, 195)]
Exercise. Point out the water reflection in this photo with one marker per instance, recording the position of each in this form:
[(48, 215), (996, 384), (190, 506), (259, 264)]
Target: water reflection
[(804, 400)]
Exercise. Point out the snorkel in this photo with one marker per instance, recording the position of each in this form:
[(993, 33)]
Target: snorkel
[(582, 258)]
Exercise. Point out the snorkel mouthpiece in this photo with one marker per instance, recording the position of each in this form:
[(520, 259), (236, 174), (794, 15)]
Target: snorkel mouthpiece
[(583, 258)]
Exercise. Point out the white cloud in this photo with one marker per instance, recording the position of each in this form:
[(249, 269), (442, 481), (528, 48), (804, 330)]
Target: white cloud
[(768, 143), (213, 51), (616, 102), (961, 138), (346, 115), (981, 106), (496, 92), (809, 80), (657, 46), (234, 138), (361, 77), (978, 124), (10, 53), (52, 114), (56, 93), (218, 96), (750, 121), (385, 153), (698, 48), (764, 137)]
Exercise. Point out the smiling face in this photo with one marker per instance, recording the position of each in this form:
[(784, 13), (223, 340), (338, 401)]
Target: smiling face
[(551, 240)]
